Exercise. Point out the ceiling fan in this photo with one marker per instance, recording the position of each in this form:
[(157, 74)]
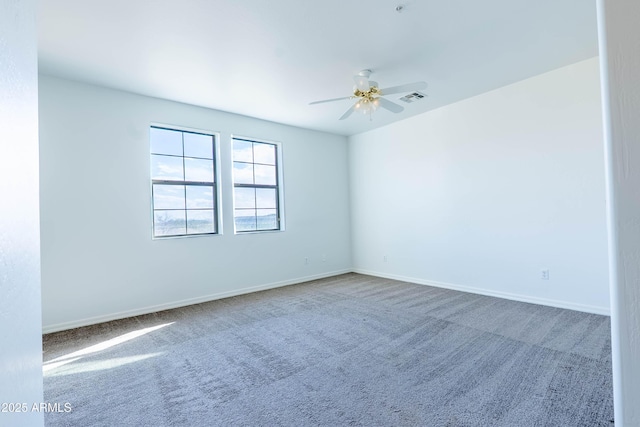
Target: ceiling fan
[(370, 97)]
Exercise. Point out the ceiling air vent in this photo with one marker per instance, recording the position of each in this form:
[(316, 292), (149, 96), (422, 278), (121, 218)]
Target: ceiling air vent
[(413, 97)]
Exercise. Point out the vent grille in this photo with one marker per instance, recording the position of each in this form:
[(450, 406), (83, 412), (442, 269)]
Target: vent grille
[(413, 97)]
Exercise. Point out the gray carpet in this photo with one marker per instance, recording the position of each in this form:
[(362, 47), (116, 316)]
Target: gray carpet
[(351, 350)]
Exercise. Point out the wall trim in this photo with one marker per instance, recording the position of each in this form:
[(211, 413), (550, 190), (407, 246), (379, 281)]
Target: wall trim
[(505, 295), (57, 327)]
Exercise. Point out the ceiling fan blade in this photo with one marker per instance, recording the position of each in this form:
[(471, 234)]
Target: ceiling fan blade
[(362, 83), (348, 112), (410, 87), (329, 100), (391, 106)]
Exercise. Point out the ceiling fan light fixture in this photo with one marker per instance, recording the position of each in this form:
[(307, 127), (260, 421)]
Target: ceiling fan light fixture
[(367, 106), (362, 83), (369, 96), (373, 104)]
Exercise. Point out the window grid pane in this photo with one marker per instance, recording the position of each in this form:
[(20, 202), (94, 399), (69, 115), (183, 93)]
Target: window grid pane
[(198, 170), (199, 197), (243, 173), (264, 175), (200, 221), (166, 141), (168, 197), (264, 154), (169, 223), (245, 197), (266, 219), (242, 151), (266, 198), (245, 219), (183, 183), (198, 145), (167, 168)]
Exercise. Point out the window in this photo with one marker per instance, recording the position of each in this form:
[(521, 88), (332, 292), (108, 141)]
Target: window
[(256, 181), (183, 182)]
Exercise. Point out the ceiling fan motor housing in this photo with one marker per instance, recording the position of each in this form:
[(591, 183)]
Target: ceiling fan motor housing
[(369, 94)]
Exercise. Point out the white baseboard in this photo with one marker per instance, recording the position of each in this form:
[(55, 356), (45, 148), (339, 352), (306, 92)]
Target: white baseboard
[(515, 297), (46, 329)]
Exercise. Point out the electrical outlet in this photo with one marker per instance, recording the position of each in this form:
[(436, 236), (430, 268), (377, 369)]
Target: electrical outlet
[(384, 258), (306, 260), (544, 274), (324, 258)]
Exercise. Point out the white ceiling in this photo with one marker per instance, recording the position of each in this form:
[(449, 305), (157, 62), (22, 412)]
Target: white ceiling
[(269, 59)]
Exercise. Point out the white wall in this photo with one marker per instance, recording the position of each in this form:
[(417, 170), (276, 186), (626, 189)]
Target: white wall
[(483, 194), (20, 327), (98, 259), (480, 195), (619, 37)]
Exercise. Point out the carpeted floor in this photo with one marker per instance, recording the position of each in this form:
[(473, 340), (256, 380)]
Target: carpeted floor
[(351, 350)]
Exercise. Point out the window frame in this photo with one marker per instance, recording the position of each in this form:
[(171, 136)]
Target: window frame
[(279, 186), (216, 184)]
